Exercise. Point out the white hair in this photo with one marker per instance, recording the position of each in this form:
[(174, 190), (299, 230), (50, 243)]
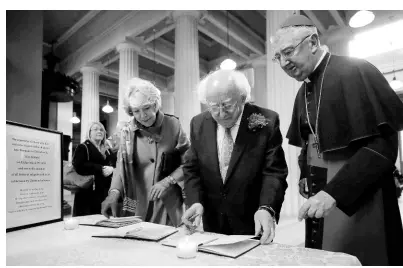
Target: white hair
[(148, 89), (238, 79), (297, 32)]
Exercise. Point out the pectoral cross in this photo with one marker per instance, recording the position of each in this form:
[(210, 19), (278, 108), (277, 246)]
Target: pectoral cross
[(150, 140), (316, 146)]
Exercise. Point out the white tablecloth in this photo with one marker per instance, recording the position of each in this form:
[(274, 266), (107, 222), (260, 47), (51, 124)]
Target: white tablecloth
[(52, 245)]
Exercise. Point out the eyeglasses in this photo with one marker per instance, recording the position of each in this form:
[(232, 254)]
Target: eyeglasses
[(288, 52), (227, 107), (97, 129)]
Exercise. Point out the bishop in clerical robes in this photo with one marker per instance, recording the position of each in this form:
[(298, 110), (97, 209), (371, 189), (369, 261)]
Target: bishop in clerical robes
[(346, 119)]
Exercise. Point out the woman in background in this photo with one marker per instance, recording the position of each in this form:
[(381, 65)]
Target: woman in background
[(93, 158)]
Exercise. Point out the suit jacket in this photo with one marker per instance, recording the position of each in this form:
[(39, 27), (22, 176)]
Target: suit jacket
[(256, 174)]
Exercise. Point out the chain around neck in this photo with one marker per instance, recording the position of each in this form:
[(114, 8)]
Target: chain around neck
[(316, 133)]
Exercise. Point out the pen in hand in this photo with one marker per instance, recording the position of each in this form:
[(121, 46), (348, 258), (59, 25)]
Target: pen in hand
[(191, 218)]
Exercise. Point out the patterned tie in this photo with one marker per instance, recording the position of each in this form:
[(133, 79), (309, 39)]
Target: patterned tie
[(226, 151)]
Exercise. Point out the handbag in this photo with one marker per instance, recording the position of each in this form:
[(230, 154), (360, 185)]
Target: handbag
[(173, 199), (170, 161), (73, 181)]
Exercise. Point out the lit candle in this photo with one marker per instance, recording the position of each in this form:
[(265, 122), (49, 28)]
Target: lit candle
[(71, 224), (186, 249)]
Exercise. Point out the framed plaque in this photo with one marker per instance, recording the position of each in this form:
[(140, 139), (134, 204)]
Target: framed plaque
[(34, 174)]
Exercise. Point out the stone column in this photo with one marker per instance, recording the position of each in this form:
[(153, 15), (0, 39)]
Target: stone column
[(339, 47), (337, 39), (187, 74), (259, 91), (64, 114), (90, 98), (128, 68), (281, 92), (168, 102)]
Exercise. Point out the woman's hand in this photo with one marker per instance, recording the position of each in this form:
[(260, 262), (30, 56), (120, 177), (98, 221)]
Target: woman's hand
[(159, 189), (110, 204), (107, 170)]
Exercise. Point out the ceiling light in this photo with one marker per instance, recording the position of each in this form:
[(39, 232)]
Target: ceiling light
[(75, 119), (107, 108), (360, 18), (228, 64)]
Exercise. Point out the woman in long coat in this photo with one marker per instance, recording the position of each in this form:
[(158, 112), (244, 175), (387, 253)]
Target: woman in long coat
[(148, 174), (92, 158)]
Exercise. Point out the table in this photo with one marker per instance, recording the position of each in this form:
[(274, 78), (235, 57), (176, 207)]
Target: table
[(52, 245)]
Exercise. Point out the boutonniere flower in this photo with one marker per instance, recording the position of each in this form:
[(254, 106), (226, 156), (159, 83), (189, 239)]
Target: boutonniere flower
[(256, 121)]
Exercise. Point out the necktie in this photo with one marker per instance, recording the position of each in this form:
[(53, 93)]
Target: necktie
[(227, 147)]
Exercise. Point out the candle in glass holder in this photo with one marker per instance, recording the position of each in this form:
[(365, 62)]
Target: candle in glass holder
[(71, 224), (186, 249)]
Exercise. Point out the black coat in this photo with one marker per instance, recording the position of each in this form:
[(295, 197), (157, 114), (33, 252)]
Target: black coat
[(88, 201), (359, 117), (256, 174)]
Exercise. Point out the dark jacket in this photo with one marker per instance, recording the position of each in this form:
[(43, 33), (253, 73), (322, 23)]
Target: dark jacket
[(359, 117), (88, 201), (256, 174)]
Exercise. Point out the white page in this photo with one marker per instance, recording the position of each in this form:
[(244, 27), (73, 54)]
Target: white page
[(124, 219), (121, 232), (229, 239), (92, 220)]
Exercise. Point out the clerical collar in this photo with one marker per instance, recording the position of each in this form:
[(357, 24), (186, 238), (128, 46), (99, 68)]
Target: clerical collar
[(307, 80)]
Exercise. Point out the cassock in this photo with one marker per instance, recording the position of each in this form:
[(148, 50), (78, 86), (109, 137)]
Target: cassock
[(351, 157)]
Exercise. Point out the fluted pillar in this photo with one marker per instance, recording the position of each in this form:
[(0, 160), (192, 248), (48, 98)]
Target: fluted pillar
[(168, 102), (259, 90), (337, 39), (128, 68), (90, 98), (281, 92), (339, 47), (187, 73), (64, 114)]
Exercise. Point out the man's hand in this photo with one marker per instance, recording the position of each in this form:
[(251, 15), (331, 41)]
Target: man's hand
[(317, 206), (303, 188), (192, 216), (110, 202), (264, 221), (159, 189)]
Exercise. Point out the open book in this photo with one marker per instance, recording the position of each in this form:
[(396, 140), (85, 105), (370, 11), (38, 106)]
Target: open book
[(142, 231), (102, 221), (231, 246)]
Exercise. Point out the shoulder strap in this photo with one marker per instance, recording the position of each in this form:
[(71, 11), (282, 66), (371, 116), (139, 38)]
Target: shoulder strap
[(88, 154)]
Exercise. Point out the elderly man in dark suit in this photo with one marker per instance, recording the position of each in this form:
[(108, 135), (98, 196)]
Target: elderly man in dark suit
[(235, 170)]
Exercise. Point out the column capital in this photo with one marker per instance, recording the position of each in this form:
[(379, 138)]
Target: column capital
[(136, 44), (197, 14), (92, 67)]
